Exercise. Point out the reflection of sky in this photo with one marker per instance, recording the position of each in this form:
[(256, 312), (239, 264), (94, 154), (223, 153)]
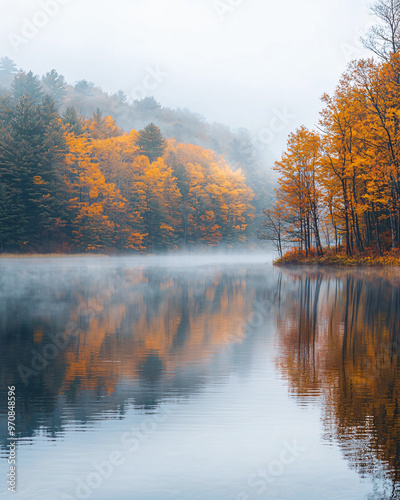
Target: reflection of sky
[(208, 447), (228, 418)]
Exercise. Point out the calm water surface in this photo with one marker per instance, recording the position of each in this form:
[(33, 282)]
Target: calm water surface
[(200, 378)]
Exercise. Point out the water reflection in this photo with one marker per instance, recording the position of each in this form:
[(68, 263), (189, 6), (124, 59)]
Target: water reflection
[(89, 341), (106, 345), (339, 343)]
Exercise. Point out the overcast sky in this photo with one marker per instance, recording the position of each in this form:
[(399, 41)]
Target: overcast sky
[(239, 62)]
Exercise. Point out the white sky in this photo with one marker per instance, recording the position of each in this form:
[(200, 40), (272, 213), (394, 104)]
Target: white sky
[(237, 65)]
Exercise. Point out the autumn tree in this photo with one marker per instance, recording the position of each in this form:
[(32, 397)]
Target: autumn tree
[(74, 183), (216, 202), (274, 227), (299, 187), (100, 220), (357, 163), (98, 127), (383, 39), (377, 90)]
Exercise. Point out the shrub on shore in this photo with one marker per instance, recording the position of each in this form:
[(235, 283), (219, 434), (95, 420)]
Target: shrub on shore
[(298, 257)]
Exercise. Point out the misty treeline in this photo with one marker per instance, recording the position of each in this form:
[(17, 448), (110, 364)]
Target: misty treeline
[(70, 182), (340, 185)]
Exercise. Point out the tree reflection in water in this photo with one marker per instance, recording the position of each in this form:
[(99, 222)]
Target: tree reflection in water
[(339, 344), (142, 334)]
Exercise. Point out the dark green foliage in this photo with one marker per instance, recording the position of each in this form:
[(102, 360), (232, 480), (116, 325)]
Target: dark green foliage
[(13, 222), (151, 143), (31, 199), (72, 121), (5, 110), (27, 85), (36, 209), (182, 180), (54, 85), (7, 71), (147, 105)]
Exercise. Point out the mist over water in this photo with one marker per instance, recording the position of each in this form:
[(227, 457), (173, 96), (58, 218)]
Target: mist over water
[(149, 347), (192, 376)]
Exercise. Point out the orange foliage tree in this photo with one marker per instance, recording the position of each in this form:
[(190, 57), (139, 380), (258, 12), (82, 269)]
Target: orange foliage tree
[(345, 179), (120, 199)]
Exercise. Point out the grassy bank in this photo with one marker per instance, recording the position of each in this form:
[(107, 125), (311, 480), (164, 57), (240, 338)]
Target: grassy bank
[(298, 257)]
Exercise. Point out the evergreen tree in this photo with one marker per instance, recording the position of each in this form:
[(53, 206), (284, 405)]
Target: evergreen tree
[(30, 174), (13, 223), (84, 87), (7, 66), (72, 121), (27, 84), (7, 71), (120, 97), (151, 143), (5, 110), (54, 85), (147, 106)]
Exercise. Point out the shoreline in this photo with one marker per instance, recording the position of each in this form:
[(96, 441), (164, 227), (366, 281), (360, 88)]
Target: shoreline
[(258, 255), (338, 260)]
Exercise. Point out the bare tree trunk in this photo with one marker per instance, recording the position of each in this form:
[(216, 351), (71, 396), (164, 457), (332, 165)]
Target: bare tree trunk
[(378, 240)]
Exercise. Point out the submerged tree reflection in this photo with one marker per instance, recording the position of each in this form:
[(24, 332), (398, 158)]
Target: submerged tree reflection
[(140, 334), (339, 343)]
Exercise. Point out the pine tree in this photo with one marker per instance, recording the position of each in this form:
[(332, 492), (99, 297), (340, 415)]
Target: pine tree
[(84, 87), (7, 71), (13, 222), (27, 84), (7, 66), (30, 154), (72, 121), (6, 106), (151, 143), (120, 97), (54, 85)]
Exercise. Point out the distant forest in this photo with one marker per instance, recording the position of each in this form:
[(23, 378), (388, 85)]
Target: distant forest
[(82, 170)]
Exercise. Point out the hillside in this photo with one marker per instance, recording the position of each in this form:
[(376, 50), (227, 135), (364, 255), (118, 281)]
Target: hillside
[(71, 183)]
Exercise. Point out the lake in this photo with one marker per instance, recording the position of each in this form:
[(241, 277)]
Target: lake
[(186, 377)]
